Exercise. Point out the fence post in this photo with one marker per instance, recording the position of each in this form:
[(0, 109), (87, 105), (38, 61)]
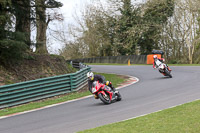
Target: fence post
[(71, 83)]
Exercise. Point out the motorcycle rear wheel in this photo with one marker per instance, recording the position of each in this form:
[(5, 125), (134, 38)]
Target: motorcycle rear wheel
[(104, 98)]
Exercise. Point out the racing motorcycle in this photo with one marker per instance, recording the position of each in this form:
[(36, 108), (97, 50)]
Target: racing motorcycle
[(105, 93), (164, 70)]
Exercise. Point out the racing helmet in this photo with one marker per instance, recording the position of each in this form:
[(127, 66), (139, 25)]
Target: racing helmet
[(90, 75), (155, 57)]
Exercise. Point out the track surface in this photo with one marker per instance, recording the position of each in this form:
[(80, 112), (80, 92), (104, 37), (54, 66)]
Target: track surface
[(152, 93)]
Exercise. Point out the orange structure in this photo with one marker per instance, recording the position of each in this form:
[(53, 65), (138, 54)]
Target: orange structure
[(150, 58), (129, 62)]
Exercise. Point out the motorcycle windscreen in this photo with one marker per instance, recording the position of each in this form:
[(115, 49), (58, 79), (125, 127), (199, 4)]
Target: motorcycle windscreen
[(95, 86)]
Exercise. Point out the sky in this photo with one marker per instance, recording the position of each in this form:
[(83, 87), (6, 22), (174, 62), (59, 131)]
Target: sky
[(68, 11), (70, 6)]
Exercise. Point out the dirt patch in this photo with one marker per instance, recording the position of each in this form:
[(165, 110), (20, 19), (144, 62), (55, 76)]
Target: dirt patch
[(124, 77), (34, 66)]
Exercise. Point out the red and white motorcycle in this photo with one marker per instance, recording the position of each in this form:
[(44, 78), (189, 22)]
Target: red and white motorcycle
[(163, 69), (105, 93)]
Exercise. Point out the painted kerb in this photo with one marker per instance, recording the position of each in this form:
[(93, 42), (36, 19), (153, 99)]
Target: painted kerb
[(24, 92)]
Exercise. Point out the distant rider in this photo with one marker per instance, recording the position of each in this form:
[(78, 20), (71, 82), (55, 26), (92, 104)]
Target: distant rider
[(100, 78), (157, 62)]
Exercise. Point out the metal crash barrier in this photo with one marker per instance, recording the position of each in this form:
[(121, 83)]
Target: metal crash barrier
[(24, 92)]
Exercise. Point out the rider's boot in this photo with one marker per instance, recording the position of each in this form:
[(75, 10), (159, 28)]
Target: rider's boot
[(115, 91), (108, 83), (95, 96), (113, 88), (169, 68)]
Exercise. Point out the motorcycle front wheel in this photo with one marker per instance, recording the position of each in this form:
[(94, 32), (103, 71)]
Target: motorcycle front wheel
[(168, 73), (119, 97), (104, 98)]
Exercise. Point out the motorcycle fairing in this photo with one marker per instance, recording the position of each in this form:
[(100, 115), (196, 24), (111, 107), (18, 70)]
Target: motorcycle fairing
[(158, 63), (103, 92)]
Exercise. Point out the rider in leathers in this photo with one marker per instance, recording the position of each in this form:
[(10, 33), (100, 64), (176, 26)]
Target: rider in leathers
[(100, 78), (161, 60)]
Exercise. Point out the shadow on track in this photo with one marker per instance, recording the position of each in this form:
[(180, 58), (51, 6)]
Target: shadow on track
[(161, 78)]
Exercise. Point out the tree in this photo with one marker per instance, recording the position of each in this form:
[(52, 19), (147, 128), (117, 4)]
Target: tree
[(122, 27), (98, 32), (198, 39), (156, 14), (125, 43), (93, 36), (12, 44), (181, 33), (22, 12), (126, 26), (42, 21)]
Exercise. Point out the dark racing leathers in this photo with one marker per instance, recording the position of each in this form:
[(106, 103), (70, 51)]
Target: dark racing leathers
[(101, 79)]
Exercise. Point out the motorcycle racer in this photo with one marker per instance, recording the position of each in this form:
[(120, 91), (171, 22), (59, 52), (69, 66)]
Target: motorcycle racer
[(157, 61), (100, 78)]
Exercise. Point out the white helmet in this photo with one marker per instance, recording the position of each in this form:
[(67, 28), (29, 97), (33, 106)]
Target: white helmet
[(90, 75), (155, 56)]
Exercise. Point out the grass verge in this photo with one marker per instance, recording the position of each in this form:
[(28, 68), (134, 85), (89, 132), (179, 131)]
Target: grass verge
[(115, 79), (180, 119)]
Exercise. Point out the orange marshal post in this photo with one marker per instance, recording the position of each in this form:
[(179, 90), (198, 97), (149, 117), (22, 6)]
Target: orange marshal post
[(150, 58)]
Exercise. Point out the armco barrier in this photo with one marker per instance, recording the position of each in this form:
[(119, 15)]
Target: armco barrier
[(24, 92), (77, 64)]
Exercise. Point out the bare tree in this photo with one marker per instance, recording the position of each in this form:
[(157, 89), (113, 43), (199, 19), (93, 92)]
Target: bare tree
[(43, 20), (180, 35), (89, 36)]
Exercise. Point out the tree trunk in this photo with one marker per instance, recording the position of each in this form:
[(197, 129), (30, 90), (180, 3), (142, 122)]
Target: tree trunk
[(41, 27), (23, 19)]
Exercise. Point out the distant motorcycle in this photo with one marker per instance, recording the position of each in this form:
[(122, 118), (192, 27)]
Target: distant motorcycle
[(164, 70), (105, 93)]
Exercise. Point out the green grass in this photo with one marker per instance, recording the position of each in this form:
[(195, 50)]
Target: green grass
[(116, 80), (181, 119)]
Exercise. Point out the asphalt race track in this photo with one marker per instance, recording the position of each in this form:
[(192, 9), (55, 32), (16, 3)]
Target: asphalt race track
[(152, 93)]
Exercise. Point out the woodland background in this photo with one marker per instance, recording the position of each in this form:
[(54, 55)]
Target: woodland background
[(117, 28)]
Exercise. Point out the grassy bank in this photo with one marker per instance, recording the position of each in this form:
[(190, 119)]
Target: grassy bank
[(116, 80), (181, 119)]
